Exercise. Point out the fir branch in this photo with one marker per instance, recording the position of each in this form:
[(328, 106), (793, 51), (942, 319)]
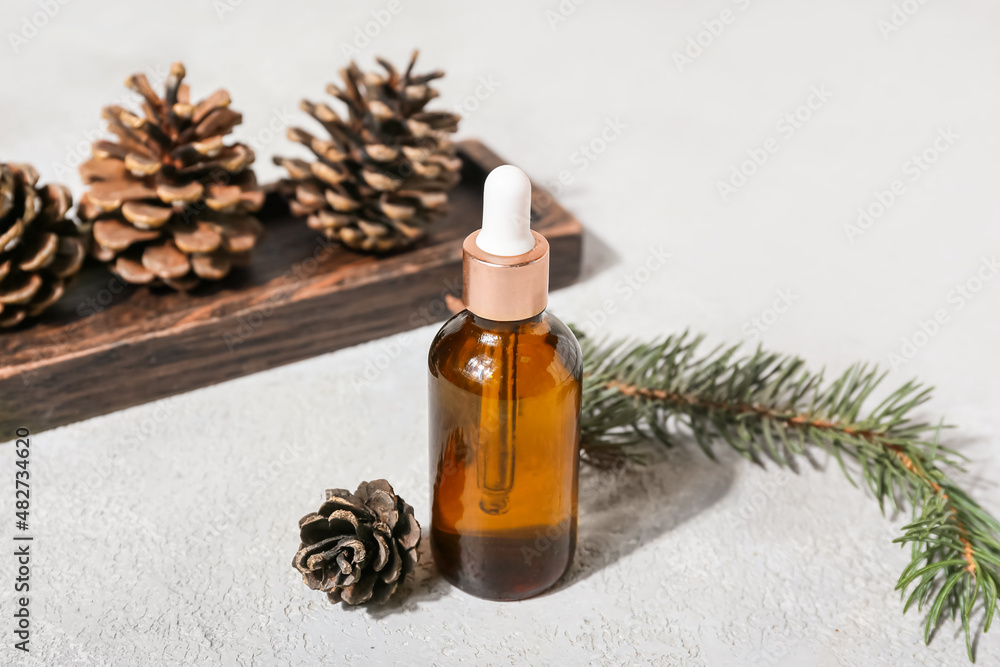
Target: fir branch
[(767, 405)]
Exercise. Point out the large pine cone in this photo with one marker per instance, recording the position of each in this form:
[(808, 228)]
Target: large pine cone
[(359, 546), (40, 250), (385, 171), (169, 200)]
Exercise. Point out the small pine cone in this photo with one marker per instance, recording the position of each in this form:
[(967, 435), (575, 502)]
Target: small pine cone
[(169, 200), (40, 250), (384, 173), (359, 546)]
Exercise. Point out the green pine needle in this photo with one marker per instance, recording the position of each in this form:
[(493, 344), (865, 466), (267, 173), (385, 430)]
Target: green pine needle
[(767, 405)]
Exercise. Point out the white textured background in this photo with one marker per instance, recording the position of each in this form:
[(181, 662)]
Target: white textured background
[(165, 532)]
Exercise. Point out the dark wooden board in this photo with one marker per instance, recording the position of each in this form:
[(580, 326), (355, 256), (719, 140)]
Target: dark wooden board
[(106, 346)]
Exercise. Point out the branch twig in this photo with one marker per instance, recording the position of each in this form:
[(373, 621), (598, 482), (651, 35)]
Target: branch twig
[(635, 393)]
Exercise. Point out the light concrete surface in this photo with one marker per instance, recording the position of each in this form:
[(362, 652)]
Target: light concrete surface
[(164, 533)]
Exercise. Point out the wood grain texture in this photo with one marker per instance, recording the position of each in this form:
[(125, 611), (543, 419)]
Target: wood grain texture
[(107, 346)]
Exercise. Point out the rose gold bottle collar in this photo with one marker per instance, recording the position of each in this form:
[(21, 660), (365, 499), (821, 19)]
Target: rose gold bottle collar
[(505, 289)]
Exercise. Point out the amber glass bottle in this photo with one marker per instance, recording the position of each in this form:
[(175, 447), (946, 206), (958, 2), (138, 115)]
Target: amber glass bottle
[(504, 412), (504, 430)]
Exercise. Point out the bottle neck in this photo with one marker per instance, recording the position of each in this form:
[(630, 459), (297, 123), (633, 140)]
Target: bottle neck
[(505, 327)]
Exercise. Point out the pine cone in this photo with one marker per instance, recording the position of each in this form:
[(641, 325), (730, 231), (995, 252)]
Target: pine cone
[(384, 173), (169, 199), (40, 250), (358, 547)]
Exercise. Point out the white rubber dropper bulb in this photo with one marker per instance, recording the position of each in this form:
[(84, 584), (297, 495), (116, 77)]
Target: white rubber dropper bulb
[(506, 213)]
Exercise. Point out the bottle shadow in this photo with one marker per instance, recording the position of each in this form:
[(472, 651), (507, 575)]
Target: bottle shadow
[(598, 256), (621, 510), (624, 509)]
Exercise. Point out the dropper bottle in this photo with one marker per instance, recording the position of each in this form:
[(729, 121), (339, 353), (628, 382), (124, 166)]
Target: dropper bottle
[(504, 412)]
